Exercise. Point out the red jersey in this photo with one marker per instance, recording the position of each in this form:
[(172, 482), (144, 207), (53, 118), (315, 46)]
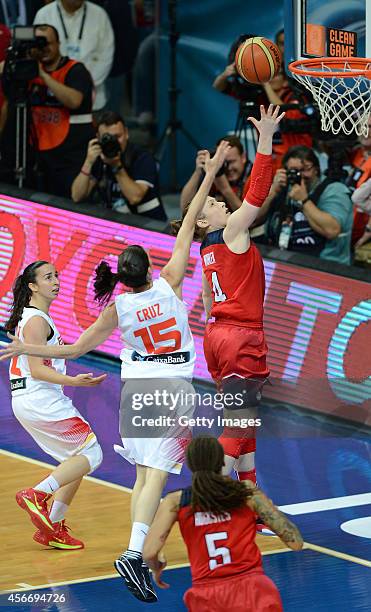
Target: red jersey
[(237, 281), (219, 545)]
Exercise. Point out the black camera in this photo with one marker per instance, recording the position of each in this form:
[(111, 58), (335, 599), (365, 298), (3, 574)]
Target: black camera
[(20, 65), (110, 145), (353, 177), (293, 177)]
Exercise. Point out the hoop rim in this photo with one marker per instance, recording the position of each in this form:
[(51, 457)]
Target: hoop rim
[(356, 64)]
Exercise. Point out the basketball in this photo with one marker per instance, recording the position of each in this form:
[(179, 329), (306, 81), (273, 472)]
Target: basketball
[(258, 60)]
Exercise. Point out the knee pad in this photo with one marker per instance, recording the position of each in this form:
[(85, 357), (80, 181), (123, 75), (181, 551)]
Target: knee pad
[(94, 455), (247, 392)]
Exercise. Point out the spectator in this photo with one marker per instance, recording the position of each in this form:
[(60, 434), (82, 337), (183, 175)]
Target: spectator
[(86, 35), (229, 82), (307, 214), (61, 105), (230, 185), (19, 12), (126, 178), (362, 199), (361, 162), (279, 39)]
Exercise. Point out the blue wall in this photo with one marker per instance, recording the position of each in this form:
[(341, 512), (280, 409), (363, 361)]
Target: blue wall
[(207, 29)]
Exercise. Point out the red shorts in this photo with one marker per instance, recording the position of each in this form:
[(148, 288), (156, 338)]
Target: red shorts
[(253, 592), (235, 349)]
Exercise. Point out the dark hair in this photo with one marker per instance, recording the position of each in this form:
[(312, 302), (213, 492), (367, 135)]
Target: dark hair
[(303, 153), (234, 141), (236, 43), (43, 26), (132, 270), (22, 293), (176, 224), (210, 490), (109, 118), (278, 34)]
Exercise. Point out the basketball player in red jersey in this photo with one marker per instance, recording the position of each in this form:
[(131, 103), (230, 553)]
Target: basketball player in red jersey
[(233, 294), (216, 517)]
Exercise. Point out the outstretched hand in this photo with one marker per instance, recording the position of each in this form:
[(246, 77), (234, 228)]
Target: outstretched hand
[(214, 163), (88, 380), (269, 120), (11, 349)]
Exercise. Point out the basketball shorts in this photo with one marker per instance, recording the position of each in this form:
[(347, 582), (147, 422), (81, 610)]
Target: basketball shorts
[(154, 422), (53, 422), (253, 592), (235, 349)]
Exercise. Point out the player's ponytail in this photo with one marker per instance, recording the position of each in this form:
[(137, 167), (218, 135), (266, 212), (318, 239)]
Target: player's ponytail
[(175, 225), (132, 271), (212, 492), (22, 293)]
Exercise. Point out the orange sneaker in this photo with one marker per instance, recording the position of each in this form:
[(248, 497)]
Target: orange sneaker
[(35, 503), (60, 539)]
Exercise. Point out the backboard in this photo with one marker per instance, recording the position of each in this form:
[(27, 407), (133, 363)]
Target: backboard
[(327, 28)]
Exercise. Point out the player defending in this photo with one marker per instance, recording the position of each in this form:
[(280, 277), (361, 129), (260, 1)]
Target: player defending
[(153, 321), (217, 522), (44, 411), (233, 294)]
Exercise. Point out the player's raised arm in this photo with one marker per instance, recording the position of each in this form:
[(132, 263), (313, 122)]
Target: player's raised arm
[(92, 337), (175, 269), (261, 175), (275, 519)]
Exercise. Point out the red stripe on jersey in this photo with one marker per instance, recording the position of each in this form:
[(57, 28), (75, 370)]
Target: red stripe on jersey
[(219, 545), (237, 281)]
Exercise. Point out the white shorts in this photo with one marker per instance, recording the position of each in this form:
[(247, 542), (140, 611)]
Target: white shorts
[(162, 445), (53, 422)]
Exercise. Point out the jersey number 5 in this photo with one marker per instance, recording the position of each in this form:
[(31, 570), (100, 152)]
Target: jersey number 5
[(156, 334), (221, 551), (219, 296)]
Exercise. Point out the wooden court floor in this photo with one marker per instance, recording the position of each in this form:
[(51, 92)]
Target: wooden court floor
[(99, 516)]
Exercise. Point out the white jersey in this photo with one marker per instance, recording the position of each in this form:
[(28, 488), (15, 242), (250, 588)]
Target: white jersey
[(21, 380), (156, 334)]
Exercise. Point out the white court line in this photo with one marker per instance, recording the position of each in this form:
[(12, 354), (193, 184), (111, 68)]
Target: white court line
[(319, 505), (104, 483)]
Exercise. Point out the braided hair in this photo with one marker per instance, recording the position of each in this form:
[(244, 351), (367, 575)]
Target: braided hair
[(22, 294), (212, 492)]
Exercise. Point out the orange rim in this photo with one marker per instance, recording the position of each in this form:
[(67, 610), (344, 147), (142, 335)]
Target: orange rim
[(312, 67)]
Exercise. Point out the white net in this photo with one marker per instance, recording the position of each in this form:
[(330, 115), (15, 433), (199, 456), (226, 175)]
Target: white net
[(344, 102)]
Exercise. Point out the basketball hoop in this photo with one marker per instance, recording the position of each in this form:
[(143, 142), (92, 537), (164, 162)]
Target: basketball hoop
[(341, 87)]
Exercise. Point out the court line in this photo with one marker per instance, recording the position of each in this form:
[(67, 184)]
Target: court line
[(109, 576), (334, 553), (332, 503), (105, 483)]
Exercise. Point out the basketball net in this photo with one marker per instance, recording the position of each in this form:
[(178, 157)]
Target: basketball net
[(341, 88)]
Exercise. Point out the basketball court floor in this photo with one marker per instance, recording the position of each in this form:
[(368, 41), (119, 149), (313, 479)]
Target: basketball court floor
[(317, 471)]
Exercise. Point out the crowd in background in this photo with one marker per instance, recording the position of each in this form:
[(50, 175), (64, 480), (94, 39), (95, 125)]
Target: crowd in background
[(97, 61)]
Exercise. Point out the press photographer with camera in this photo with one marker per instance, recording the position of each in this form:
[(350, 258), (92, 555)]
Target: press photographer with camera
[(230, 182), (123, 176), (307, 213), (58, 93)]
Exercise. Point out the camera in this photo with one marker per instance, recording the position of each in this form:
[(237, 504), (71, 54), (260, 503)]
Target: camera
[(110, 145), (20, 65), (353, 177), (293, 176)]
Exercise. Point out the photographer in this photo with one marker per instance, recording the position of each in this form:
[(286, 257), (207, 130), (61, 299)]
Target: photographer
[(231, 179), (60, 101), (307, 214), (124, 176)]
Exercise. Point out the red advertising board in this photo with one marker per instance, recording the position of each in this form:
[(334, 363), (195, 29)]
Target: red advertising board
[(317, 324)]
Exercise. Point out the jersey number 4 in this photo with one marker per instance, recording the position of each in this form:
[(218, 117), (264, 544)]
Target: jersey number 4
[(219, 296), (220, 551), (156, 334)]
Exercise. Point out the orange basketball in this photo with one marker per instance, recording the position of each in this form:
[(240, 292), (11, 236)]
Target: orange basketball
[(258, 60)]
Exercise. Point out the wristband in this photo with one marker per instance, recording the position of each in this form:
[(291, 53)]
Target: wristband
[(82, 171)]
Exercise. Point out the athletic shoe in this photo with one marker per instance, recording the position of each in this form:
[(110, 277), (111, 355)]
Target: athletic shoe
[(148, 581), (61, 538), (35, 503), (131, 571)]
